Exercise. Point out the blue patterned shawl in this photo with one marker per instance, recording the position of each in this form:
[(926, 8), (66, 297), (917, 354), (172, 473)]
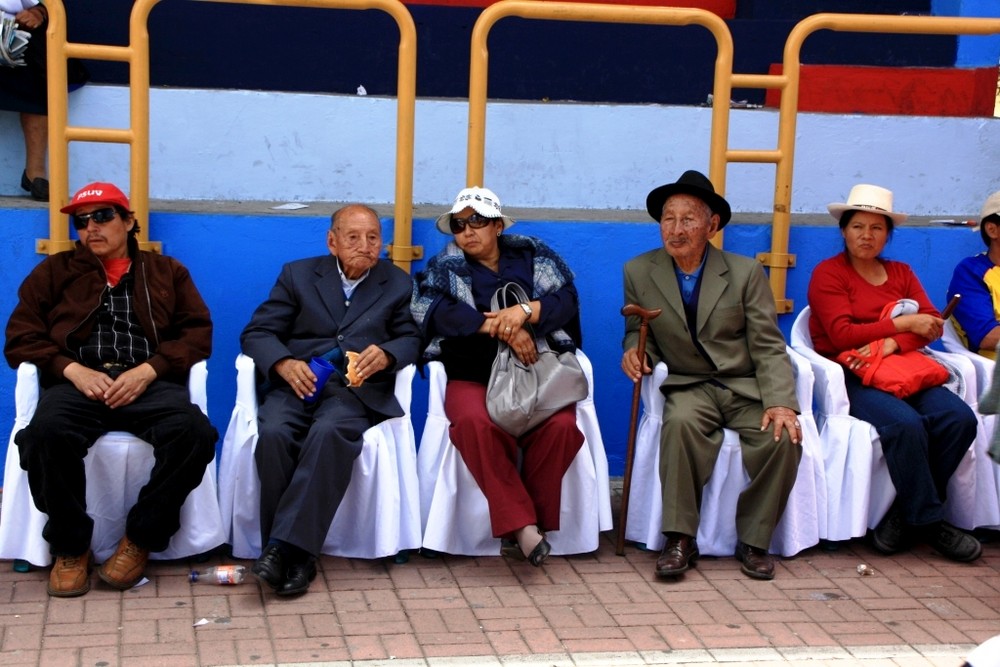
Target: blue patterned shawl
[(448, 273)]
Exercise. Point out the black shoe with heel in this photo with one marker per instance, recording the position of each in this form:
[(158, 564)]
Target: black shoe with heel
[(540, 553)]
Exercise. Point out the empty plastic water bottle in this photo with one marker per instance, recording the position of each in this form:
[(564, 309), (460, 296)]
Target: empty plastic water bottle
[(226, 575)]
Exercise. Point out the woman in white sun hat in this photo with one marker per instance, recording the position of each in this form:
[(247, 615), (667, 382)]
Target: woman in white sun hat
[(925, 435), (451, 304)]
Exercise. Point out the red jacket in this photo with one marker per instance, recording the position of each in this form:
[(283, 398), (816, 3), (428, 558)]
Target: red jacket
[(58, 302)]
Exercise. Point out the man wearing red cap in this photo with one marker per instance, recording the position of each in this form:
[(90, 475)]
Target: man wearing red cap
[(113, 331)]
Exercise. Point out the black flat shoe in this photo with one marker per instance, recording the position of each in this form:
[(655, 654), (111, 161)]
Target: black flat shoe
[(540, 553), (38, 187), (300, 575)]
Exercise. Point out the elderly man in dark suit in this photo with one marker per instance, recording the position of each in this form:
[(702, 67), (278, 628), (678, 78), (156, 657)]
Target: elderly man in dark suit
[(347, 301), (719, 336)]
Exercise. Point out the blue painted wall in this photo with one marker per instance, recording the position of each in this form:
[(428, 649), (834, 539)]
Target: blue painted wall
[(235, 259)]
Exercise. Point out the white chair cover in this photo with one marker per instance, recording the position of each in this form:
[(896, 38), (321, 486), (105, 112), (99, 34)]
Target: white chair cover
[(800, 525), (118, 466), (852, 451), (987, 472), (454, 511), (382, 496), (972, 491)]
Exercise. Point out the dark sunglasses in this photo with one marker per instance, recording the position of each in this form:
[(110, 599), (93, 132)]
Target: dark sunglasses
[(100, 216), (475, 221)]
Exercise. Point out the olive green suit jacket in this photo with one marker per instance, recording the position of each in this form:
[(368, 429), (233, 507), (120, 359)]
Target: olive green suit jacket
[(736, 325)]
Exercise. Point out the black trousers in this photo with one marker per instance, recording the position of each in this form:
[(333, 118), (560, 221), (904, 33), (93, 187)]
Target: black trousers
[(305, 455), (65, 425)]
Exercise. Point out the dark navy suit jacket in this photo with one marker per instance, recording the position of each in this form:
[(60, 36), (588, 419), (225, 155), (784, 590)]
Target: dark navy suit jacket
[(307, 315)]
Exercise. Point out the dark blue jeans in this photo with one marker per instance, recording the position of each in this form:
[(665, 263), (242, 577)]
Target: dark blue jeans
[(65, 425), (924, 438)]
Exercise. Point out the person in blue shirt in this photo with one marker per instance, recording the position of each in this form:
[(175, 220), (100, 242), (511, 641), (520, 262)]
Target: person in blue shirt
[(977, 279)]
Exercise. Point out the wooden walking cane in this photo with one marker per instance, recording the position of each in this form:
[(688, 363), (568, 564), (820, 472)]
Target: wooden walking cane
[(631, 310)]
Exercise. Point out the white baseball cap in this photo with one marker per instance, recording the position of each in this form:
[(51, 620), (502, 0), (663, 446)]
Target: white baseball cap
[(480, 200)]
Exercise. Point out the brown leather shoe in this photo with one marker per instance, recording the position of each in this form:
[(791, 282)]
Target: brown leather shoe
[(756, 562), (679, 555), (70, 575), (125, 567)]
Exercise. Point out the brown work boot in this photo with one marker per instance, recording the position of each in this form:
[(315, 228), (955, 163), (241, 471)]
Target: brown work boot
[(125, 567), (70, 575)]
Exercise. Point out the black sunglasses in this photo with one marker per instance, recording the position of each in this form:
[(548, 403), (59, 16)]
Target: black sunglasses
[(475, 221), (100, 216)]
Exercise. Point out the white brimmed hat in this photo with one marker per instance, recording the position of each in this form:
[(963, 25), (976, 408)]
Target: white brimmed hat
[(991, 207), (870, 198), (480, 200)]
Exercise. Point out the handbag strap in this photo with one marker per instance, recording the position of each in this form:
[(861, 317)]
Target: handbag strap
[(874, 359), (508, 295), (877, 347)]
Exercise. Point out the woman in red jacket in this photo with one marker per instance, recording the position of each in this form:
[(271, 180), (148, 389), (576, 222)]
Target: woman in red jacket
[(924, 436)]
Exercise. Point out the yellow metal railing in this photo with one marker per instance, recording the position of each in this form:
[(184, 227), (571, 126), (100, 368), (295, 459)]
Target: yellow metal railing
[(598, 13), (778, 259), (137, 135), (61, 133)]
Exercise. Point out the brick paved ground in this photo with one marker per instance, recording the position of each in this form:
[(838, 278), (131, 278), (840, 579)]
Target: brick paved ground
[(597, 609)]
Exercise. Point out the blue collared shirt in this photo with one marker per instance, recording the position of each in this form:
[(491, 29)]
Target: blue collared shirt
[(687, 281)]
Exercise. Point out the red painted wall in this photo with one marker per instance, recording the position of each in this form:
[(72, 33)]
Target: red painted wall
[(894, 90)]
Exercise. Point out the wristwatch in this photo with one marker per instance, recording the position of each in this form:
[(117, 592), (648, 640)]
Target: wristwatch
[(527, 310)]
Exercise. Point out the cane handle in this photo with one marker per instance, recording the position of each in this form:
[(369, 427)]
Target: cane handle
[(632, 310)]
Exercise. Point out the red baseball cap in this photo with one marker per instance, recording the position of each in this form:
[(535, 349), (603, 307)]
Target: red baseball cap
[(97, 193)]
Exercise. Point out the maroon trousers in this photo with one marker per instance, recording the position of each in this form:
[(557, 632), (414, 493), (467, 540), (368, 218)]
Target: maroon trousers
[(516, 498)]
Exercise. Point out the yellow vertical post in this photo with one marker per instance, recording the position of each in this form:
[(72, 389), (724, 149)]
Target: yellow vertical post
[(58, 119), (138, 77)]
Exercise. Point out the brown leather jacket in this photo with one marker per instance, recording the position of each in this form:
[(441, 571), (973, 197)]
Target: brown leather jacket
[(58, 301)]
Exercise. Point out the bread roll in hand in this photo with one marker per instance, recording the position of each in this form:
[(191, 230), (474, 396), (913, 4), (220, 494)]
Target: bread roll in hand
[(353, 378)]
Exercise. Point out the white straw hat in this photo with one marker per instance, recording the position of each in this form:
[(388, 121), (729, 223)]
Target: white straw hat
[(480, 200), (870, 198), (991, 207)]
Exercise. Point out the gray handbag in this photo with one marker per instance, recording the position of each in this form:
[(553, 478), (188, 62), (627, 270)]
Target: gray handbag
[(519, 397)]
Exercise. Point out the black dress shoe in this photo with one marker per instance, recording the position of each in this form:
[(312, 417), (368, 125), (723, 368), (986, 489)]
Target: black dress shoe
[(540, 553), (300, 575), (755, 562), (270, 567), (679, 555), (25, 181)]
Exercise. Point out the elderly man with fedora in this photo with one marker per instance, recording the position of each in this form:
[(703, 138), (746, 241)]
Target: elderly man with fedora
[(114, 331), (977, 279), (719, 336)]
